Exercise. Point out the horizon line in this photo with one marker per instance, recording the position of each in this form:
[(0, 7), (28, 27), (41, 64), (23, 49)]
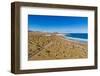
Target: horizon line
[(55, 32)]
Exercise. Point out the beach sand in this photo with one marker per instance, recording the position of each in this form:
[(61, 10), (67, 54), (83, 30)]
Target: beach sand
[(48, 47)]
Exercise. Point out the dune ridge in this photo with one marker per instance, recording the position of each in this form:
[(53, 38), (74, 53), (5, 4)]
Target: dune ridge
[(49, 46)]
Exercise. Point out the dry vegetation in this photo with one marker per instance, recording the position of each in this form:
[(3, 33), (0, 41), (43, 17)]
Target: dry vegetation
[(41, 47)]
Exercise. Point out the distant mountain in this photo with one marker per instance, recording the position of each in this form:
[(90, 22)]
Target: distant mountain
[(46, 32), (30, 31)]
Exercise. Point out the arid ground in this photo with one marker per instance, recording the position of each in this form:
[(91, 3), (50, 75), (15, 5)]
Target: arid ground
[(49, 46)]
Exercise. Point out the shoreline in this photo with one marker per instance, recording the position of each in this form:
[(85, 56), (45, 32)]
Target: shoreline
[(72, 39), (76, 40), (52, 46)]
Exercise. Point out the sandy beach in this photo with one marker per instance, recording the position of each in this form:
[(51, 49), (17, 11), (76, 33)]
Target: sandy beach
[(49, 46)]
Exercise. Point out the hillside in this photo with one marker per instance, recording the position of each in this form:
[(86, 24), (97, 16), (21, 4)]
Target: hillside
[(42, 46)]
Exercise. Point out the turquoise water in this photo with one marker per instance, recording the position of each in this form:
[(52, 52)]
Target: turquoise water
[(81, 37)]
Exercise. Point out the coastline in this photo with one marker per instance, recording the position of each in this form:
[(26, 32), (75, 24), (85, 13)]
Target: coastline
[(83, 41), (49, 47), (79, 40)]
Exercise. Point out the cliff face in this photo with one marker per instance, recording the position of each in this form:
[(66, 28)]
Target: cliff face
[(42, 47)]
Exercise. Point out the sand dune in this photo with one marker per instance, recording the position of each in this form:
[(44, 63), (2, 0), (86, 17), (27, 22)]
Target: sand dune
[(42, 47)]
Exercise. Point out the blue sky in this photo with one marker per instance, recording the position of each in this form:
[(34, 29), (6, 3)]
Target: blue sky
[(61, 24)]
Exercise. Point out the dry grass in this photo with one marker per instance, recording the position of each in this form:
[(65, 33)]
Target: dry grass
[(41, 47)]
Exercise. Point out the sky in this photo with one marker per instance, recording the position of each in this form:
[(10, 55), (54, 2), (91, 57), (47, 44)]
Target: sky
[(61, 24)]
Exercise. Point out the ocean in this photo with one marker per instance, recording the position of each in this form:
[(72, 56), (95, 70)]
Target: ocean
[(82, 37)]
